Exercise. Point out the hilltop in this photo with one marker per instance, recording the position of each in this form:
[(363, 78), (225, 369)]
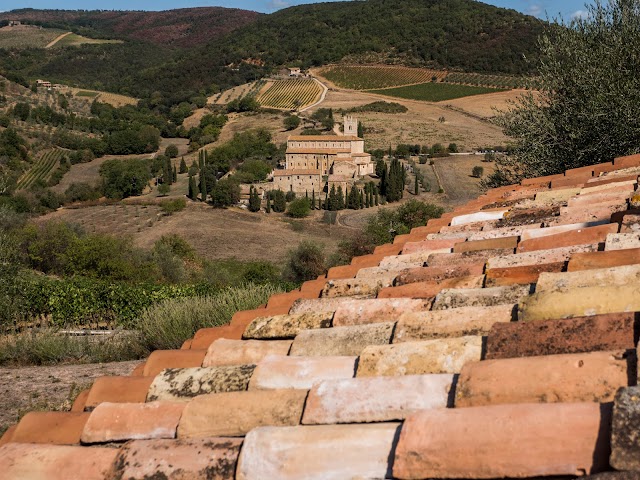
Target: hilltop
[(182, 27)]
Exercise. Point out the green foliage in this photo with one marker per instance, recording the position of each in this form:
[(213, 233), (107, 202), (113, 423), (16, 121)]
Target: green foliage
[(244, 104), (171, 151), (380, 107), (168, 324), (164, 189), (279, 200), (50, 347), (324, 117), (193, 188), (225, 193), (394, 186), (291, 122), (299, 208), (254, 200), (306, 262), (477, 171), (414, 213), (255, 169), (183, 166), (435, 92), (125, 178), (588, 84), (21, 111), (173, 206)]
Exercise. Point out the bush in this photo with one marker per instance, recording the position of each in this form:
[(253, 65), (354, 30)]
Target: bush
[(168, 324), (414, 213), (299, 208), (306, 262), (164, 189), (172, 206), (125, 178), (81, 192), (171, 151), (477, 171), (279, 200), (225, 193), (291, 122)]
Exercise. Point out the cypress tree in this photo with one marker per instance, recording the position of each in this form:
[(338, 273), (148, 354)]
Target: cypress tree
[(333, 199), (203, 186), (417, 190), (193, 188), (313, 199), (339, 199), (384, 180), (175, 174), (183, 166), (254, 200), (268, 204), (326, 201)]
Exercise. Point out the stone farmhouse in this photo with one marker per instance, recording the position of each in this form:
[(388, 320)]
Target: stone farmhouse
[(316, 162)]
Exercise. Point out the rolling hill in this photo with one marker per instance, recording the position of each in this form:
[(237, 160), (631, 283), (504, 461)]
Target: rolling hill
[(176, 55), (182, 27)]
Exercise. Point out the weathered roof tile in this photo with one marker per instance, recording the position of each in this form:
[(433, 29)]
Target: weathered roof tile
[(116, 422), (361, 312), (286, 326), (480, 297), (446, 355), (182, 384), (323, 452), (225, 352), (512, 441), (375, 399), (118, 390), (234, 414), (276, 372), (25, 461), (341, 341), (195, 459), (161, 359), (431, 289), (58, 428)]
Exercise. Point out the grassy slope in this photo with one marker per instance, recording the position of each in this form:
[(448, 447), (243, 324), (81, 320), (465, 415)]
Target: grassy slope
[(435, 92)]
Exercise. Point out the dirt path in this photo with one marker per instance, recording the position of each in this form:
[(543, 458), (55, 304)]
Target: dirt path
[(24, 389), (53, 42)]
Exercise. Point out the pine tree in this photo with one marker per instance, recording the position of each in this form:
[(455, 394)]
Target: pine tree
[(183, 166)]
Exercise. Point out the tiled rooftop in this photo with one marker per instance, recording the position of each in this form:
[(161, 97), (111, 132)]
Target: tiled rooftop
[(496, 342)]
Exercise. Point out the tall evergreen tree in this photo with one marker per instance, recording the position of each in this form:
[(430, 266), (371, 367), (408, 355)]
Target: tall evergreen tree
[(254, 200), (268, 209), (193, 188), (339, 198), (183, 166), (175, 174), (313, 199), (203, 186), (417, 186)]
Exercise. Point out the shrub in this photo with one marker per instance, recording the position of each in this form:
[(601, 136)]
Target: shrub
[(81, 192), (225, 193), (164, 189), (172, 206), (304, 263), (477, 171), (168, 324), (279, 200), (299, 208), (46, 347), (291, 122), (125, 178), (414, 213), (171, 151)]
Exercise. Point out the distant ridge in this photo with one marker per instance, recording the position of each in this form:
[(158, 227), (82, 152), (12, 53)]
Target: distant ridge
[(181, 27)]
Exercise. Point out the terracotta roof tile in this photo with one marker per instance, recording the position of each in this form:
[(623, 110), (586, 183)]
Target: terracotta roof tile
[(182, 384), (614, 331), (361, 312), (525, 440), (8, 435), (446, 355), (117, 422), (117, 390), (375, 399), (225, 352), (593, 260), (54, 462), (276, 371), (430, 289), (341, 341), (579, 377), (161, 359), (235, 414), (80, 401), (57, 428), (193, 458), (285, 326), (457, 322), (582, 236)]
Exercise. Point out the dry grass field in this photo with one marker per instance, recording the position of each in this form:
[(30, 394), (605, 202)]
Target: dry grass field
[(214, 233), (27, 36)]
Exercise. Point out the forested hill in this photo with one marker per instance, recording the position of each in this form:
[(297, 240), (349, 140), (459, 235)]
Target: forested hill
[(185, 27), (454, 34), (464, 34)]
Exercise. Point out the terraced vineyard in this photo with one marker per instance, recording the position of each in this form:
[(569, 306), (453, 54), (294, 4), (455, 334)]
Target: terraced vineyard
[(290, 94), (248, 89), (27, 36), (42, 169), (376, 77), (498, 81), (379, 76), (114, 99)]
